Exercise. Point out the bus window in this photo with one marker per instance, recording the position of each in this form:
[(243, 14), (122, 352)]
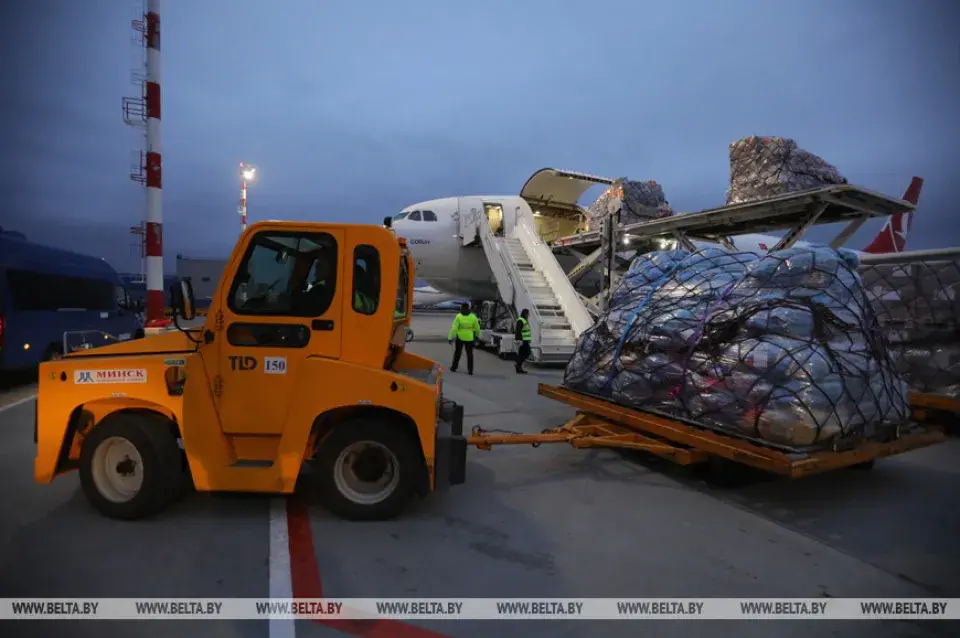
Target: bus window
[(41, 291)]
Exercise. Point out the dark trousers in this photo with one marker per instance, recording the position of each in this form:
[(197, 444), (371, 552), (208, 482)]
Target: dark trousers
[(523, 353), (458, 348)]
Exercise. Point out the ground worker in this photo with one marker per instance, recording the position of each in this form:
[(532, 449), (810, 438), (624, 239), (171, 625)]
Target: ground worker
[(465, 330), (362, 302), (523, 335)]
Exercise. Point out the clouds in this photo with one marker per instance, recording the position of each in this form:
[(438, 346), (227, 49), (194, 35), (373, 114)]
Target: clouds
[(354, 110)]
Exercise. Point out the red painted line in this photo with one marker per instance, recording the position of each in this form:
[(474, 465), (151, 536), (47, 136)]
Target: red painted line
[(306, 583)]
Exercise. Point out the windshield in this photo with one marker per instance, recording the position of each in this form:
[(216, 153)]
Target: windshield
[(400, 216)]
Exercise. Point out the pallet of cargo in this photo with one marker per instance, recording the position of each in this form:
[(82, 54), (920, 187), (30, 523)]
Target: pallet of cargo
[(601, 423)]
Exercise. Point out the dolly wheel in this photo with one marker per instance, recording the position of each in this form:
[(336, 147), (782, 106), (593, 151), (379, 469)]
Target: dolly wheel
[(368, 469), (727, 474), (130, 466)]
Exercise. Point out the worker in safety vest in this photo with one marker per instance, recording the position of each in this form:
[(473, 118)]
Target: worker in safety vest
[(523, 336), (465, 330), (362, 302)]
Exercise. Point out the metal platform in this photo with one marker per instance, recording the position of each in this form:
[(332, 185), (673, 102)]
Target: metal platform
[(841, 203), (602, 423)]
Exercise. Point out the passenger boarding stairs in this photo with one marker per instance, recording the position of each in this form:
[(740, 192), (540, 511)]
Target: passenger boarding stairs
[(528, 276)]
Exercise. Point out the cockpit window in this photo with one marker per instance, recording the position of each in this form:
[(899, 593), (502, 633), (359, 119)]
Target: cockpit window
[(400, 216), (429, 216), (414, 216)]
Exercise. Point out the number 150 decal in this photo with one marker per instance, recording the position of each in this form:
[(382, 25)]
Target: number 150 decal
[(275, 365)]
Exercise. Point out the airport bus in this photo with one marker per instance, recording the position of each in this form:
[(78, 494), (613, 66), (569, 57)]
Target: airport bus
[(53, 300)]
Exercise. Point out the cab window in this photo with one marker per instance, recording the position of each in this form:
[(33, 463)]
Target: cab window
[(429, 216), (403, 287), (286, 274), (414, 216), (366, 279)]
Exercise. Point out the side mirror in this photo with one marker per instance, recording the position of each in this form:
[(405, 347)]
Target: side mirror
[(388, 222), (182, 301)]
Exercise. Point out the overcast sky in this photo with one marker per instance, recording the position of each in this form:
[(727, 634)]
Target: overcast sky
[(353, 110)]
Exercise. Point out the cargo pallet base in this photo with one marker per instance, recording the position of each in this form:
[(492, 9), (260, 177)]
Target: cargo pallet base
[(600, 423), (934, 408)]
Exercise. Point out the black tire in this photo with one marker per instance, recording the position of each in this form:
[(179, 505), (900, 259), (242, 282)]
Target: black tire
[(161, 458), (407, 463), (866, 465)]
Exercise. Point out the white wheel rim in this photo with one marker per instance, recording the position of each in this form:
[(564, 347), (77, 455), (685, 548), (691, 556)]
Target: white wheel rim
[(357, 474), (117, 469)]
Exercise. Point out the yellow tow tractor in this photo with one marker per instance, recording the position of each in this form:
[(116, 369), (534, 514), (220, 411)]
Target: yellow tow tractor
[(301, 357)]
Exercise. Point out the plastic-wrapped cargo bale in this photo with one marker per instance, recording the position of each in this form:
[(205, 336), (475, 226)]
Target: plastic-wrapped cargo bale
[(635, 201), (784, 347), (764, 167)]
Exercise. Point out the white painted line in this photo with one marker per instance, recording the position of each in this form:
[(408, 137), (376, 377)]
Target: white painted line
[(280, 583), (4, 408)]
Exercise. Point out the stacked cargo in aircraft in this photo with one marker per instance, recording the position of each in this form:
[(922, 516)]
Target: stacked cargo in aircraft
[(636, 201)]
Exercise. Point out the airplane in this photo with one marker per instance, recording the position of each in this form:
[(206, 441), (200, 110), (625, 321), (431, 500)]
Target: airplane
[(427, 296), (431, 229)]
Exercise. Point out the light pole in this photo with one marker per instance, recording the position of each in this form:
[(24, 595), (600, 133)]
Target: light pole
[(247, 173)]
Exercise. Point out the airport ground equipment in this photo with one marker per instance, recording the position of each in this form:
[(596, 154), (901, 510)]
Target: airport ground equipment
[(600, 423), (301, 358)]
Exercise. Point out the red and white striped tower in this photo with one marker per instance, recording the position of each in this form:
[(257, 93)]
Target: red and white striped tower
[(243, 197), (154, 177), (247, 173)]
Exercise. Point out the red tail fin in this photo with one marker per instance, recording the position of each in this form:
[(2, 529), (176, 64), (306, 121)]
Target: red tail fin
[(892, 238)]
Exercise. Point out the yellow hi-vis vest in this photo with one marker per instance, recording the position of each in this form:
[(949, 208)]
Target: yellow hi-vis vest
[(465, 327), (525, 334), (364, 304)]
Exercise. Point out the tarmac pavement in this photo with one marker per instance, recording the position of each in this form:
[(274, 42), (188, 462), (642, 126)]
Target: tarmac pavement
[(546, 522)]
